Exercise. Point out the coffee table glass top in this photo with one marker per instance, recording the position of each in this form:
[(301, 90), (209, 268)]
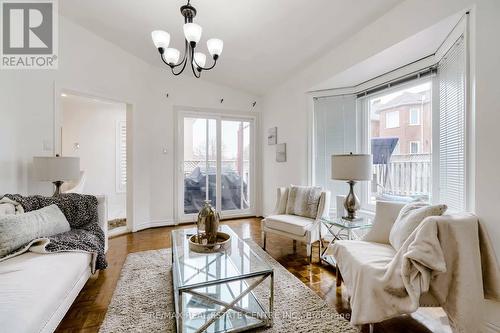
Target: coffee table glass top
[(195, 269)]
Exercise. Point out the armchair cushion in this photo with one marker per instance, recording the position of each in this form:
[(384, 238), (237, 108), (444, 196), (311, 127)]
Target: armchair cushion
[(292, 224), (409, 218), (303, 201), (361, 254), (355, 258)]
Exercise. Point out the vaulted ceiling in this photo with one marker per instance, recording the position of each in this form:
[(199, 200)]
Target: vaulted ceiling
[(265, 41)]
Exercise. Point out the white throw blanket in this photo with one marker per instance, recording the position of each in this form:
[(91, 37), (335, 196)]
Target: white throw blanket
[(449, 258)]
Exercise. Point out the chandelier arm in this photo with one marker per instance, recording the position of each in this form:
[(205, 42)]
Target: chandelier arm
[(172, 66), (184, 62), (205, 68), (194, 72), (192, 65), (209, 68), (179, 72), (183, 58)]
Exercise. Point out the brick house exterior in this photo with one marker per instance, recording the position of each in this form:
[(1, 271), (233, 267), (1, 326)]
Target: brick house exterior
[(408, 117)]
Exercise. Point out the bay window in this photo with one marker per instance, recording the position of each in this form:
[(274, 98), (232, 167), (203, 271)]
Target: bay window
[(414, 127)]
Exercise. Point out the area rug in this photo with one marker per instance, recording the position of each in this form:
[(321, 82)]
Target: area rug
[(143, 301)]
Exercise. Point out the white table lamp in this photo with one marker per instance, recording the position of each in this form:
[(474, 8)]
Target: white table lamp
[(56, 170), (352, 168)]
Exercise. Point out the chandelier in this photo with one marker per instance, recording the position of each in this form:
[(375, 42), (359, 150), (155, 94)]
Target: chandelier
[(192, 33)]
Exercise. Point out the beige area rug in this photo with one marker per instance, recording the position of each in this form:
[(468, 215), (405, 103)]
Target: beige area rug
[(143, 300)]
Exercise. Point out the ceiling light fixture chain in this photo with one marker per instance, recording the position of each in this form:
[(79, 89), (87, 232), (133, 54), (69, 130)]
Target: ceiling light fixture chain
[(192, 33)]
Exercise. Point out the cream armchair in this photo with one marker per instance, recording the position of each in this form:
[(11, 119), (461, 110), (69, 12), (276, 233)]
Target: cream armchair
[(297, 228)]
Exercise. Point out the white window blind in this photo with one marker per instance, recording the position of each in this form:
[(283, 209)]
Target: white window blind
[(121, 156), (451, 77), (334, 133)]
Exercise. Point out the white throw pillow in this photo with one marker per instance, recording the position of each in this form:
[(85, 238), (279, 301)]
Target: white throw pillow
[(409, 218), (303, 201), (18, 230)]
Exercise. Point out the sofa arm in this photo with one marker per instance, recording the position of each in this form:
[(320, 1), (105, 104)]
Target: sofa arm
[(102, 213)]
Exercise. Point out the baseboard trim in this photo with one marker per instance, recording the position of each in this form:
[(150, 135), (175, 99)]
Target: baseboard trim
[(153, 224)]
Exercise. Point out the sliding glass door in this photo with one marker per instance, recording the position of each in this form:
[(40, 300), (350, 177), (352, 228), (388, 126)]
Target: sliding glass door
[(215, 156), (199, 164), (235, 165)]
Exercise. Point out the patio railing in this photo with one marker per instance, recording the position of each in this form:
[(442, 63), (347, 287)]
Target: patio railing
[(190, 165), (407, 175)]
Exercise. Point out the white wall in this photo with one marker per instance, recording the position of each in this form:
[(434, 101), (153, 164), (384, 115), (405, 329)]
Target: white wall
[(92, 124), (94, 66), (286, 107)]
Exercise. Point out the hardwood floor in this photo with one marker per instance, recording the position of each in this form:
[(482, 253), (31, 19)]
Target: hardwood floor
[(88, 311)]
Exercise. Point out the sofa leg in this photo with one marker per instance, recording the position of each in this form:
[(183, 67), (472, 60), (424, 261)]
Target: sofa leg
[(294, 246), (371, 327), (264, 240), (338, 276), (309, 252)]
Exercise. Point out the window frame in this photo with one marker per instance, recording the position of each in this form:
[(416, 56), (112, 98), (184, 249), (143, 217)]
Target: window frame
[(120, 184), (418, 112), (418, 147), (396, 112), (364, 133), (182, 112)]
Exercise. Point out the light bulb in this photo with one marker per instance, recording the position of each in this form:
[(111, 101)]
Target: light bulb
[(199, 59), (172, 56), (192, 32), (160, 38), (215, 46)]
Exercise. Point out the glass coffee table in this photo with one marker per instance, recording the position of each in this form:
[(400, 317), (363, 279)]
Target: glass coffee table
[(229, 291)]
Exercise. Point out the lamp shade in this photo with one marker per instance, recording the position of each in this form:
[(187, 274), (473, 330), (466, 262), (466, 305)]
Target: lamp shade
[(172, 56), (160, 38), (51, 169), (199, 59), (215, 46), (352, 167), (192, 32)]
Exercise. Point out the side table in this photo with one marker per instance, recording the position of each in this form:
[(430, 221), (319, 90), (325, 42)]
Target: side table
[(339, 228)]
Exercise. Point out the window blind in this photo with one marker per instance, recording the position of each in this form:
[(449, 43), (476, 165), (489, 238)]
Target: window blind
[(334, 133), (451, 78), (121, 156)]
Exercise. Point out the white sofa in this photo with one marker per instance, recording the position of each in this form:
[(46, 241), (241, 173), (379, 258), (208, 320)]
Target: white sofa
[(36, 290), (298, 228), (373, 249)]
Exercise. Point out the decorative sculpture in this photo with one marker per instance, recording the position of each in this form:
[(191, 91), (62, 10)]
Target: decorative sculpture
[(208, 223), (208, 238)]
